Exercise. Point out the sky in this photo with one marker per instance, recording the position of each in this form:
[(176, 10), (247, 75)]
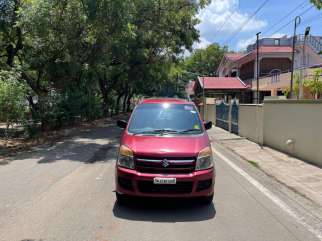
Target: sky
[(220, 21)]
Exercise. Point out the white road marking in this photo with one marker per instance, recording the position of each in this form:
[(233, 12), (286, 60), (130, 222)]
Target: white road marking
[(270, 195)]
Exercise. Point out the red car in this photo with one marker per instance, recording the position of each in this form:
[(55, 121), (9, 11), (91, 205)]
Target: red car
[(165, 152)]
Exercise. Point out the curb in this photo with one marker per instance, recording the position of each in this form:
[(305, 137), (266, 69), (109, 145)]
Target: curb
[(270, 175)]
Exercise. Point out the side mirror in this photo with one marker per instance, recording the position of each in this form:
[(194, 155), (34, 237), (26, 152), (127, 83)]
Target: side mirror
[(207, 125), (122, 124)]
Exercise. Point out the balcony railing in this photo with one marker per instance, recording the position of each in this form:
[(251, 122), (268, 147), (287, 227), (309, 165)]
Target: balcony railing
[(281, 80), (311, 41)]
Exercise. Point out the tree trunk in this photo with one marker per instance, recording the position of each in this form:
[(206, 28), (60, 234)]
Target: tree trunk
[(45, 125), (105, 93), (118, 102), (128, 103), (124, 102), (13, 51), (105, 104)]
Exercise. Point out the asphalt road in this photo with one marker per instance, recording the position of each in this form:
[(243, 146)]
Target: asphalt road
[(66, 192)]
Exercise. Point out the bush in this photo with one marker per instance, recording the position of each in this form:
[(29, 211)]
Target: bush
[(63, 108), (80, 103), (57, 109), (315, 85), (13, 105)]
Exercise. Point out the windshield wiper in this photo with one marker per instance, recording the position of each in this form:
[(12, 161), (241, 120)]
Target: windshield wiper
[(157, 131), (189, 130), (168, 131)]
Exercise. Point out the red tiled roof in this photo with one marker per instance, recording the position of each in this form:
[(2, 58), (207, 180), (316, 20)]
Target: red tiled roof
[(234, 56), (221, 83), (262, 49)]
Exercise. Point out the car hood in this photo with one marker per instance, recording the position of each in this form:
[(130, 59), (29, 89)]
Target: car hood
[(166, 146)]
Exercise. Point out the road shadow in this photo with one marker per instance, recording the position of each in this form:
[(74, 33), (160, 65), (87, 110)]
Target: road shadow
[(89, 146), (164, 210), (78, 148)]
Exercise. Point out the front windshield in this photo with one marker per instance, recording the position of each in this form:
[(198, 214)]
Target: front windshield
[(165, 118)]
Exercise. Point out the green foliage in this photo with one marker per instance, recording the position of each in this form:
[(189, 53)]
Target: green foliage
[(74, 104), (317, 3), (315, 85), (205, 61), (82, 59), (296, 86), (253, 163), (12, 98)]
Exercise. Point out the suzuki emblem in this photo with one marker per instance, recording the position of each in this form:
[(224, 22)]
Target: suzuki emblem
[(165, 163)]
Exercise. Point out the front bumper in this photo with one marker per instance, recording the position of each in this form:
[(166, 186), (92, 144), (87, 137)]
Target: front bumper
[(196, 184)]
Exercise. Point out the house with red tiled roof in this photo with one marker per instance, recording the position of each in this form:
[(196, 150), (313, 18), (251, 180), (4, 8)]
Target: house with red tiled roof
[(224, 88), (275, 62), (229, 64)]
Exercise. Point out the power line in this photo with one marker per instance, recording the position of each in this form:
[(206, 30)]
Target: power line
[(313, 18), (291, 21), (226, 20), (285, 25), (286, 15), (245, 23), (222, 26)]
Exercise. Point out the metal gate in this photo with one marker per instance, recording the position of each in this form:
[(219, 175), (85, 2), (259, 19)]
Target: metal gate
[(222, 115), (234, 116)]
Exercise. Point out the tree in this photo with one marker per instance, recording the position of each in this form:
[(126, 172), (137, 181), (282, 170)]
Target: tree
[(78, 54), (12, 98), (10, 32), (317, 3), (205, 61), (159, 33), (315, 85)]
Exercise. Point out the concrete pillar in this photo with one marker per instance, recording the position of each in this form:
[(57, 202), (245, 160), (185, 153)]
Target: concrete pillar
[(273, 92)]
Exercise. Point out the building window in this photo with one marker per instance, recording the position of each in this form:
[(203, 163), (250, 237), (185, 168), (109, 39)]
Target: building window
[(276, 42)]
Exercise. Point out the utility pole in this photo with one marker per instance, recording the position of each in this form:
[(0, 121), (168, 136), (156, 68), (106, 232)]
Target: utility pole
[(297, 22), (307, 32), (257, 66), (203, 96)]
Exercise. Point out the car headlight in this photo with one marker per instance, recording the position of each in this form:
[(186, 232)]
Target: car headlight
[(205, 159), (125, 157)]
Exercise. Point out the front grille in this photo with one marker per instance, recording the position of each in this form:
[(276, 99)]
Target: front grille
[(174, 165), (178, 188)]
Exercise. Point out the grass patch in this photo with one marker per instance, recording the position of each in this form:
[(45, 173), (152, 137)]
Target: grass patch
[(253, 163)]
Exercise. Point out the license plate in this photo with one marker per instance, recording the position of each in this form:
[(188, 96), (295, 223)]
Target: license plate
[(164, 180)]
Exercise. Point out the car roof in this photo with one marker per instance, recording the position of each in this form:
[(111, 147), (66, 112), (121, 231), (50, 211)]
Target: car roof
[(165, 100)]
